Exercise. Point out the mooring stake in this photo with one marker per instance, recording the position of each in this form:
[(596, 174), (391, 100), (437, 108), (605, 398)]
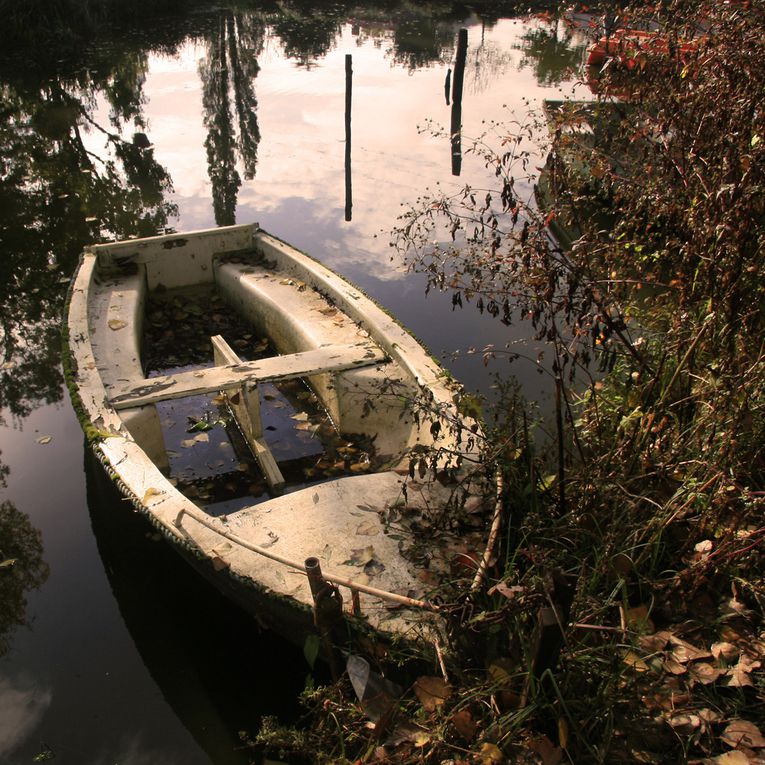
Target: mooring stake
[(327, 610)]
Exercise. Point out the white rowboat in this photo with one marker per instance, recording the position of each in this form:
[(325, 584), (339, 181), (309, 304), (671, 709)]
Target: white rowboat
[(363, 366)]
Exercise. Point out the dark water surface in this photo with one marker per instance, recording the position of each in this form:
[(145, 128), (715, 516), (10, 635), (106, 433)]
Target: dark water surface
[(110, 650)]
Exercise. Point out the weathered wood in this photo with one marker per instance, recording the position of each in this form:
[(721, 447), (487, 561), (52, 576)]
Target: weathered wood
[(245, 406), (334, 358)]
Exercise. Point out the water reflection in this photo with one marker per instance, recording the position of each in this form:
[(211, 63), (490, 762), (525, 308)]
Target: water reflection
[(67, 179), (230, 69), (553, 50), (22, 569), (217, 670)]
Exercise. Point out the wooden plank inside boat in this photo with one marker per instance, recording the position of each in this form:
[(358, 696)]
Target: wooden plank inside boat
[(245, 406), (334, 358)]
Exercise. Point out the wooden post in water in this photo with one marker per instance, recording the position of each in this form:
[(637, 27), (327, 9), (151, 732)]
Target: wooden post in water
[(348, 96), (457, 82), (327, 610)]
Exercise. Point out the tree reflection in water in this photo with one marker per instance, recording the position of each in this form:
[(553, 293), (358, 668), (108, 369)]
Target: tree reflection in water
[(22, 567), (229, 69)]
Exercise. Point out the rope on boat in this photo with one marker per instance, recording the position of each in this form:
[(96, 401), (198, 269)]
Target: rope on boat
[(205, 521)]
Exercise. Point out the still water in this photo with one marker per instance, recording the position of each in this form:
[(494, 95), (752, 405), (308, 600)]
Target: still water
[(110, 650)]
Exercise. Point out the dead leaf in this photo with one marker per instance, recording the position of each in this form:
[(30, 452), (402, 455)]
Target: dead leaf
[(654, 643), (683, 651), (44, 440), (490, 754), (739, 675), (117, 324), (368, 528), (638, 619), (674, 667), (704, 672), (724, 650), (631, 659), (464, 724), (149, 493), (547, 751), (361, 556), (511, 592), (431, 691), (729, 758), (743, 733), (500, 672), (685, 724)]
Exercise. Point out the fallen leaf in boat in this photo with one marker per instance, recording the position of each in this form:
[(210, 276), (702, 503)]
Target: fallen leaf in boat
[(431, 691), (329, 311), (421, 738), (149, 493), (360, 556), (219, 564), (8, 563), (743, 733), (316, 498), (117, 324), (359, 467), (368, 528), (44, 439), (374, 567), (201, 438), (490, 754), (464, 724), (200, 426), (300, 417)]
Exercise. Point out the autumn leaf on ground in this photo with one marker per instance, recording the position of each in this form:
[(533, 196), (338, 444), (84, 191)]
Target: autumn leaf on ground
[(683, 651), (739, 675), (490, 754), (464, 724), (631, 659), (705, 673), (548, 753), (511, 592), (725, 650), (729, 758), (743, 733), (431, 691), (638, 619)]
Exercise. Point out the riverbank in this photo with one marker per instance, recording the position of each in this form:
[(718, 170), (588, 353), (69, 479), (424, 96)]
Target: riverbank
[(622, 621)]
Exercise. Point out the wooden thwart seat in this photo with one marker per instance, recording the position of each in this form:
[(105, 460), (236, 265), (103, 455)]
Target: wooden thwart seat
[(333, 358)]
